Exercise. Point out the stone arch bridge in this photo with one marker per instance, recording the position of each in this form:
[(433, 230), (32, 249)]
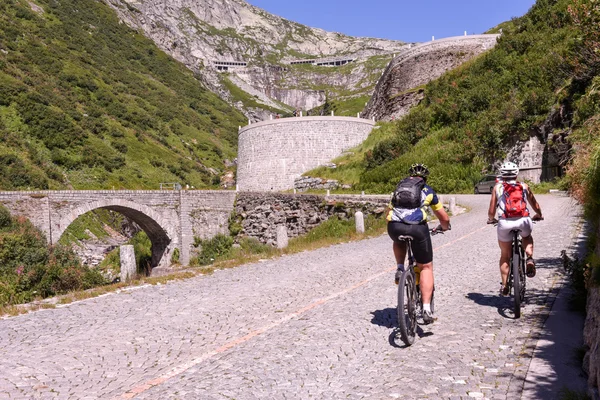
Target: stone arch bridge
[(171, 219)]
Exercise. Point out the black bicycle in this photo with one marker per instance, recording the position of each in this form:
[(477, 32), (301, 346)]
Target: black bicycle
[(410, 303), (517, 278), (517, 273)]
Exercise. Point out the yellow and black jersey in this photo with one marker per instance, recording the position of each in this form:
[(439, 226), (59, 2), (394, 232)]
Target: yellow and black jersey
[(415, 216)]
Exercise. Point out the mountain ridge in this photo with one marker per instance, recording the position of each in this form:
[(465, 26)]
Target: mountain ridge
[(199, 33)]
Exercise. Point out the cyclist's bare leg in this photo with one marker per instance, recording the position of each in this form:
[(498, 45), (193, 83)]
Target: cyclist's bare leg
[(528, 245), (505, 250), (426, 281), (399, 252)]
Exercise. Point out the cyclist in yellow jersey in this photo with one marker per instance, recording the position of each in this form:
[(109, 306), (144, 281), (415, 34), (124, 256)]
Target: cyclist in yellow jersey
[(412, 221)]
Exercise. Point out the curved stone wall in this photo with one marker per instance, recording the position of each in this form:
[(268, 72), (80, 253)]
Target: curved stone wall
[(272, 154), (417, 66)]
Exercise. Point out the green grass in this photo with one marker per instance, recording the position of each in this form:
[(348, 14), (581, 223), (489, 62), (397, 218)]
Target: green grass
[(470, 116), (87, 102), (545, 187)]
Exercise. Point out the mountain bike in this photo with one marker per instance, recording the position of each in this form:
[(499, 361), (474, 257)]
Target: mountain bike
[(517, 276), (410, 303)]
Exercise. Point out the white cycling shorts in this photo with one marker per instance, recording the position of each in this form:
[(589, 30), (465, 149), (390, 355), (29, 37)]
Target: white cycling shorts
[(505, 225)]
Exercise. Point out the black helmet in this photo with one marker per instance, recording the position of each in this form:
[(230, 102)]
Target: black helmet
[(419, 170)]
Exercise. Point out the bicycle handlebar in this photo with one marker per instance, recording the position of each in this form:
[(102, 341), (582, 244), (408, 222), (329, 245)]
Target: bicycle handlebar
[(439, 229), (495, 221)]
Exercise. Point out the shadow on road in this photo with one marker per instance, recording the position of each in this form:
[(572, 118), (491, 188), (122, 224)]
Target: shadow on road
[(388, 318), (503, 304), (555, 343)]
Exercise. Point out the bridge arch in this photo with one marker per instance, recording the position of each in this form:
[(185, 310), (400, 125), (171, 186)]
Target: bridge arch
[(162, 234)]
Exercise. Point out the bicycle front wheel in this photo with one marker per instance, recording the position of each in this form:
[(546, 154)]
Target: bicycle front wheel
[(517, 283), (407, 308)]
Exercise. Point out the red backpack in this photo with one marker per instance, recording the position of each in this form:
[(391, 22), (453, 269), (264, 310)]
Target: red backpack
[(514, 200)]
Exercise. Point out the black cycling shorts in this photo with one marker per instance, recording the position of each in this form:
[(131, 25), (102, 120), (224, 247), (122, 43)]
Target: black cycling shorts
[(421, 243)]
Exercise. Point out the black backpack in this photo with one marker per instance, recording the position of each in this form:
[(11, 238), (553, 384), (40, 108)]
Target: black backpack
[(408, 193)]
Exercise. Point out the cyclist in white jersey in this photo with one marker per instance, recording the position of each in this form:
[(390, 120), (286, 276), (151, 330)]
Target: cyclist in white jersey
[(498, 212)]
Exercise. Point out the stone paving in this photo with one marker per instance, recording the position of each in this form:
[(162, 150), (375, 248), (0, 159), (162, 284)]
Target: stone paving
[(316, 325)]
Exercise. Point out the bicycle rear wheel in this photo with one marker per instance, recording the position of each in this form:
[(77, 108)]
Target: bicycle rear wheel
[(517, 282), (407, 308), (522, 276)]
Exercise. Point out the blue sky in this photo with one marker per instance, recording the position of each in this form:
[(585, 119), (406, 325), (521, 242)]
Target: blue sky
[(406, 20)]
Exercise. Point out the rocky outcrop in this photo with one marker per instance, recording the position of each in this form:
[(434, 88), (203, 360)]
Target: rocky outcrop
[(200, 32), (398, 88), (260, 214)]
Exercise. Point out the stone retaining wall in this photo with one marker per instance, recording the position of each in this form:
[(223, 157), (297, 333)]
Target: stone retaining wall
[(260, 213), (591, 334), (305, 183), (272, 154)]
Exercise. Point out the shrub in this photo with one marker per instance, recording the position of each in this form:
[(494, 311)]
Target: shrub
[(5, 218), (235, 225), (30, 269), (212, 249), (142, 248), (79, 76), (175, 256)]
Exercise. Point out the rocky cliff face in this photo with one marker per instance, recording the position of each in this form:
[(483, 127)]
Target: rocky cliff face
[(202, 32), (400, 87)]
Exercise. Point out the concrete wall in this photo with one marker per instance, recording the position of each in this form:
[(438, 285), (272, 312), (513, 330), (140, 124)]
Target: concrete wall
[(417, 66), (272, 154)]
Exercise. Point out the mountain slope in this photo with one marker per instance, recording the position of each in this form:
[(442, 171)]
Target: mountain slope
[(198, 33), (86, 102), (472, 117)]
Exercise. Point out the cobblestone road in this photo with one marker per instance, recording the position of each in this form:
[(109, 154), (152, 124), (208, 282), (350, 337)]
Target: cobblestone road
[(312, 325)]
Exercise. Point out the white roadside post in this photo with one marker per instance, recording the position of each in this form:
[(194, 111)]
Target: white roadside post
[(128, 267), (360, 222), (282, 237)]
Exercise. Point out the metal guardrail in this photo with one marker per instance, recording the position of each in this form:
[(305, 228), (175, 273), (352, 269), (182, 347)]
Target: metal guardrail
[(170, 186)]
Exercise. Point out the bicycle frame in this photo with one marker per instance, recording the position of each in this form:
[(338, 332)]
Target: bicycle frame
[(410, 302), (409, 298), (517, 276)]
